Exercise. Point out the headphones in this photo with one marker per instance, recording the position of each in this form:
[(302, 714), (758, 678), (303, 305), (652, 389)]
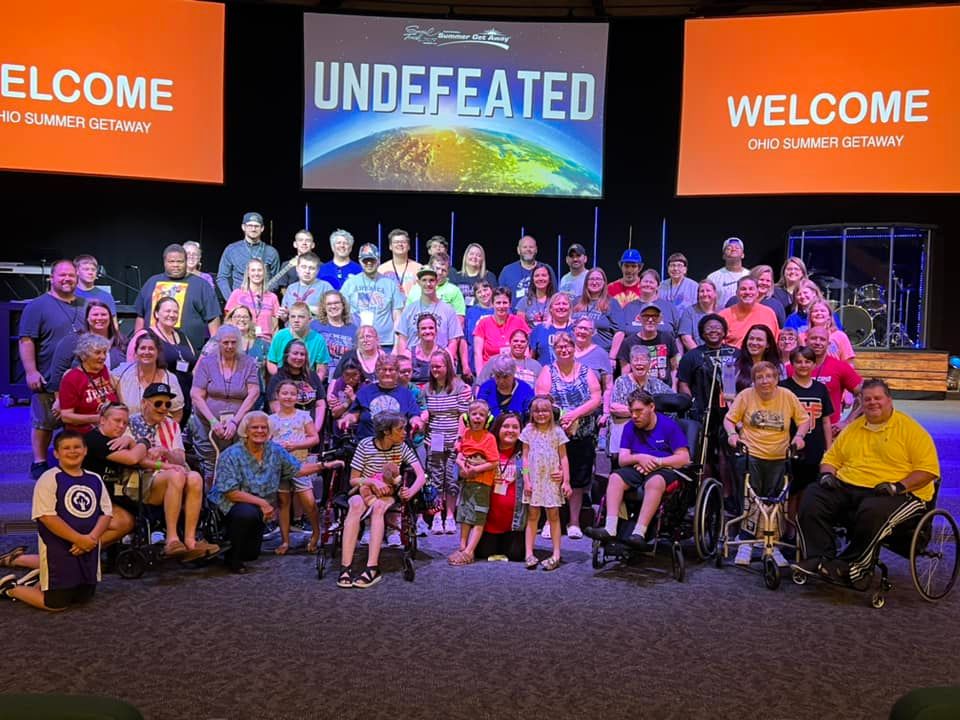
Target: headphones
[(465, 419)]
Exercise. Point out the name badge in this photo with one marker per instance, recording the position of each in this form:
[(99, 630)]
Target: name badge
[(500, 488), (182, 366), (258, 331), (436, 442), (366, 317), (520, 293)]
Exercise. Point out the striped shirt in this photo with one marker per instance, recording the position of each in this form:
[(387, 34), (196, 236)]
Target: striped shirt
[(445, 410), (368, 460), (165, 434)]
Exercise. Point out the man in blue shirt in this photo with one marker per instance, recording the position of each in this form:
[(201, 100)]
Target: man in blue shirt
[(341, 267), (652, 448), (517, 275), (235, 257), (374, 298)]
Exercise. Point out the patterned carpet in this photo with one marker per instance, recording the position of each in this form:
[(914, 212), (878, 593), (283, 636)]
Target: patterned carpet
[(491, 640)]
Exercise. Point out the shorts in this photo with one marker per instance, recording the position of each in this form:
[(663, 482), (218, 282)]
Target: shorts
[(140, 487), (64, 597), (581, 453), (41, 412), (474, 504), (636, 479), (297, 484)]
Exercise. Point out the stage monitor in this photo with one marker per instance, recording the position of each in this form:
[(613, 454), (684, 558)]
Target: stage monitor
[(853, 102), (453, 105), (113, 87)]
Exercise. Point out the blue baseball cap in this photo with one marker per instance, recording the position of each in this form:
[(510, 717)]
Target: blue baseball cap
[(631, 255)]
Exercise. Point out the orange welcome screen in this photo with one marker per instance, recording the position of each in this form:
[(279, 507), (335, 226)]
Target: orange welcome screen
[(856, 102), (113, 87)]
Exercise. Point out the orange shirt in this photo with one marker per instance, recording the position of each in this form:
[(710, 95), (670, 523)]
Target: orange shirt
[(483, 443), (739, 323)]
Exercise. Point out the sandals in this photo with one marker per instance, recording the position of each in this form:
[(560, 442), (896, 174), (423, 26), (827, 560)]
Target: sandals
[(460, 558), (9, 559), (551, 563), (346, 578), (281, 549), (368, 578), (531, 562), (174, 548), (312, 546)]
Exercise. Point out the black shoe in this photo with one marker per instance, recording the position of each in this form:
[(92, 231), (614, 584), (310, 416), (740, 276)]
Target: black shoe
[(240, 569), (639, 542), (38, 468), (597, 533), (809, 567)]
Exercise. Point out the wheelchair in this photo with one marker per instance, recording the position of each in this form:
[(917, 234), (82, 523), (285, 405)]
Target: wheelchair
[(928, 543), (335, 504), (691, 508), (765, 517)]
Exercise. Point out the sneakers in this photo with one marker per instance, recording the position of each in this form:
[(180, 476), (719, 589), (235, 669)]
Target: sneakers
[(779, 559), (368, 578), (7, 583), (30, 579), (744, 554), (437, 527), (271, 531), (545, 533), (574, 532), (38, 468), (422, 528), (392, 539), (450, 526)]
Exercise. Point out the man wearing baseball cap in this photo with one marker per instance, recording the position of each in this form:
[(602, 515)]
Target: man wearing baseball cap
[(449, 329), (661, 344), (235, 257), (572, 282), (627, 288), (165, 478), (725, 279), (374, 298)]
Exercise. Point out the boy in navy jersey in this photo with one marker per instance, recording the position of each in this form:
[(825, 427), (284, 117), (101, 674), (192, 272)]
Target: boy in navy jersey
[(72, 509)]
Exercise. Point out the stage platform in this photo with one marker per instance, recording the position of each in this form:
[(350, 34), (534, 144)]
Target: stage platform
[(906, 370)]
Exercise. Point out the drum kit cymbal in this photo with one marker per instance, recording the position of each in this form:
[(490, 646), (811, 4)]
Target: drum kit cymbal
[(865, 319)]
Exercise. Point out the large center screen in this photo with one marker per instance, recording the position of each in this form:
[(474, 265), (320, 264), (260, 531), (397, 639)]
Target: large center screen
[(453, 105), (857, 102), (113, 87)]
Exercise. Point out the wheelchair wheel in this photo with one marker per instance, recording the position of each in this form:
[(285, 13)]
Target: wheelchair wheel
[(708, 518), (799, 578), (679, 565), (771, 573), (321, 563), (409, 572), (878, 601), (131, 564), (933, 555), (599, 555)]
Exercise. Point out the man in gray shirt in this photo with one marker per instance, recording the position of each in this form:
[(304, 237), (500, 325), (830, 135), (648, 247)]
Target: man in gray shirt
[(234, 260)]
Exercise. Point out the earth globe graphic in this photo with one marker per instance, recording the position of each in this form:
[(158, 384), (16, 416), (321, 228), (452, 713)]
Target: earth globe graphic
[(464, 160)]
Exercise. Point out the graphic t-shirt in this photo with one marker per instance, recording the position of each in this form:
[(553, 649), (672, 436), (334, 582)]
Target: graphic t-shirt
[(816, 401), (662, 348), (766, 423)]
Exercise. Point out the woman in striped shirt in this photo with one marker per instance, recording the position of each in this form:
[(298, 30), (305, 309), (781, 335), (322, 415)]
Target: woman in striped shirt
[(447, 399)]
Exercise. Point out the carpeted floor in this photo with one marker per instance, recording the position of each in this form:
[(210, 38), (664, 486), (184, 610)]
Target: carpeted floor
[(492, 640)]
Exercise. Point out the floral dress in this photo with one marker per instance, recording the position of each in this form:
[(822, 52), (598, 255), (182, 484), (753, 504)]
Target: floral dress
[(543, 459)]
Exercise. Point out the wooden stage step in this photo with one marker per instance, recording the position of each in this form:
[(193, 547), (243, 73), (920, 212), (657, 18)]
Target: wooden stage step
[(907, 370)]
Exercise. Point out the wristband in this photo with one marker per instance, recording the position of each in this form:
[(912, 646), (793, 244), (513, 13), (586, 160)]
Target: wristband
[(159, 465)]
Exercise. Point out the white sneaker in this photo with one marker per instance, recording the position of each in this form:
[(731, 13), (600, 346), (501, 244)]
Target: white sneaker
[(393, 539), (744, 555), (437, 527), (450, 526), (574, 532), (157, 537), (779, 559), (422, 528), (545, 533), (365, 538)]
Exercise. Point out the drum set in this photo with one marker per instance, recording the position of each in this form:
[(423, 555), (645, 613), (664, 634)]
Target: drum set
[(865, 321)]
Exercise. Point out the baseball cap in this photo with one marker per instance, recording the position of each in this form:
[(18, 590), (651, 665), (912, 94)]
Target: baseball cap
[(154, 389), (576, 249), (426, 270), (631, 255), (650, 306), (369, 251), (252, 217), (731, 240)]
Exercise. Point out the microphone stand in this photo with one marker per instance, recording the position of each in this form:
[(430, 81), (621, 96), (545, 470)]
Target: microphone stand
[(136, 291)]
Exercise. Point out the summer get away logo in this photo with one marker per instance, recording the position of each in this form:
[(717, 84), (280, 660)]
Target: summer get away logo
[(439, 38)]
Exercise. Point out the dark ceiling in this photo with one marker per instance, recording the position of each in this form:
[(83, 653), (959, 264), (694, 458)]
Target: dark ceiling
[(577, 8)]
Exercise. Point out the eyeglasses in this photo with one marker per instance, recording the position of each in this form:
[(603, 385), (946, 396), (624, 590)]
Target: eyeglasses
[(162, 403)]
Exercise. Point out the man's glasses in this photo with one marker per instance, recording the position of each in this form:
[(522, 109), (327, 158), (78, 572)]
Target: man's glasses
[(162, 404)]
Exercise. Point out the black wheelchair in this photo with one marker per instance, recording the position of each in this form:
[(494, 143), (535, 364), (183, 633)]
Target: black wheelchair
[(691, 508), (928, 543)]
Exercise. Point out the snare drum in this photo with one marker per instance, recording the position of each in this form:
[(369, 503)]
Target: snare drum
[(872, 297), (857, 324)]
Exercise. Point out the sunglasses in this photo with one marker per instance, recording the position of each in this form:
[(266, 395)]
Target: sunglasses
[(162, 403)]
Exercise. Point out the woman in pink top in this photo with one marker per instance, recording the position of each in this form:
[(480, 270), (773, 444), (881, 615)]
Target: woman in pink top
[(493, 332), (840, 347), (263, 306)]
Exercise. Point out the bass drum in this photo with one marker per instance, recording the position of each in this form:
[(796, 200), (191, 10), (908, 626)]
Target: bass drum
[(857, 324)]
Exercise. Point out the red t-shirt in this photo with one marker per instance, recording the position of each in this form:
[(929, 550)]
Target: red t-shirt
[(503, 499), (838, 376), (496, 336), (623, 294), (84, 394)]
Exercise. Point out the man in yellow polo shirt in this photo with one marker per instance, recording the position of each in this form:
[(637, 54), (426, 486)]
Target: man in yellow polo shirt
[(879, 472)]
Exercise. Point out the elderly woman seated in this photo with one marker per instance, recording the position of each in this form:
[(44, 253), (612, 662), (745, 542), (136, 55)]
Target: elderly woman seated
[(503, 392), (387, 446), (248, 476)]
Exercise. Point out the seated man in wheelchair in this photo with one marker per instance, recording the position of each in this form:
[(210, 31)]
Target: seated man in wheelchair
[(165, 478), (879, 472), (373, 454), (652, 447)]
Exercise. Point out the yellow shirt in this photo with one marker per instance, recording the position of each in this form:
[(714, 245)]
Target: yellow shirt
[(900, 446), (766, 423)]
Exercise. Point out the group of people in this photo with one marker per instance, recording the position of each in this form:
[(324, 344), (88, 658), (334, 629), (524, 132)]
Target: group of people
[(489, 391)]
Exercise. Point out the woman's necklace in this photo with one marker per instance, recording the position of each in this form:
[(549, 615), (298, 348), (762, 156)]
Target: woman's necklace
[(142, 380)]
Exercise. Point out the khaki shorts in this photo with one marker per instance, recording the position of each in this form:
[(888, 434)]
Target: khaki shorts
[(474, 504), (41, 412)]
